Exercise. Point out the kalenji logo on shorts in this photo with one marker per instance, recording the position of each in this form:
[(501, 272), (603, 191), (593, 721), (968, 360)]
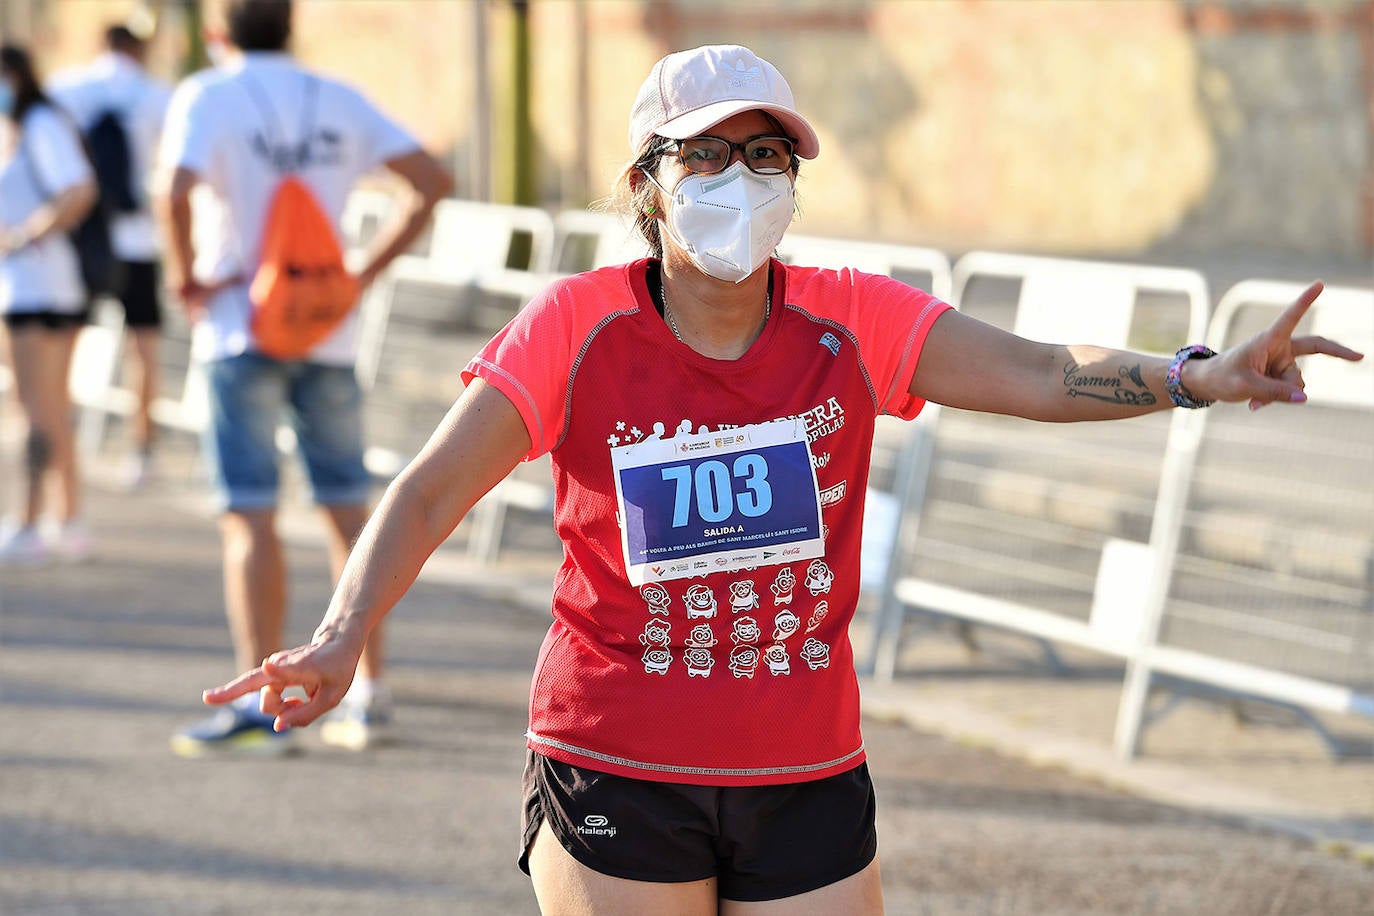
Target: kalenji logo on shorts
[(595, 825)]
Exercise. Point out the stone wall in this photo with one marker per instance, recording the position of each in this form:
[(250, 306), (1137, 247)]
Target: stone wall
[(1064, 125), (1287, 91)]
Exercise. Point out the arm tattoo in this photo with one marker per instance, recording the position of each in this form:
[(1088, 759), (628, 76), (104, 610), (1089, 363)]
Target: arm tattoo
[(1126, 387)]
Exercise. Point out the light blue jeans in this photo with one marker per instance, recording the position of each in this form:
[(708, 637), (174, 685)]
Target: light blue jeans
[(250, 395)]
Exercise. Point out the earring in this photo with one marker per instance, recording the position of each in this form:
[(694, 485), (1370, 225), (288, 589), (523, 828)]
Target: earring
[(650, 210)]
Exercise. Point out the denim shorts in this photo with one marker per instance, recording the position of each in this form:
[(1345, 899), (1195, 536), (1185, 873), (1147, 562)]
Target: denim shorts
[(250, 396)]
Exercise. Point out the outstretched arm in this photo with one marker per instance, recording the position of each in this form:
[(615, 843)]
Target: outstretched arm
[(968, 364), (477, 444)]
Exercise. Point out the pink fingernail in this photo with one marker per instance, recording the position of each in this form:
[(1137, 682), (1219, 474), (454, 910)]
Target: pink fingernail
[(1298, 397)]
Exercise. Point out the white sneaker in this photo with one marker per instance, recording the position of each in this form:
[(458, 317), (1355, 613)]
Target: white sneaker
[(138, 470), (357, 725), (72, 542), (22, 546)]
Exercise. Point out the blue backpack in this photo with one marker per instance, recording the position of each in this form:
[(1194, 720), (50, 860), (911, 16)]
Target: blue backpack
[(107, 145)]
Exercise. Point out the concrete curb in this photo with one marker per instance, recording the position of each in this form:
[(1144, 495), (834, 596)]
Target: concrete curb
[(1166, 783)]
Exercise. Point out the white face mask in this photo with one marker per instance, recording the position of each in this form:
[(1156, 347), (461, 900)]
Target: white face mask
[(730, 222)]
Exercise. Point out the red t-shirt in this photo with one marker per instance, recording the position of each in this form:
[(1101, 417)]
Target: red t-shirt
[(729, 678)]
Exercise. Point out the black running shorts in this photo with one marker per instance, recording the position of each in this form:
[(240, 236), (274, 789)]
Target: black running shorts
[(140, 296), (759, 842), (46, 318)]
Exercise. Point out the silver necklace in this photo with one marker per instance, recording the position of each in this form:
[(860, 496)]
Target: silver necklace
[(672, 325)]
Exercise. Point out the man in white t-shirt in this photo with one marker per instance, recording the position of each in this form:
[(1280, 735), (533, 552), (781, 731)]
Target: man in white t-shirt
[(116, 84), (236, 130)]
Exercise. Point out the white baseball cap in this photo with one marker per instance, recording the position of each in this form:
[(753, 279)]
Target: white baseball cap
[(688, 92)]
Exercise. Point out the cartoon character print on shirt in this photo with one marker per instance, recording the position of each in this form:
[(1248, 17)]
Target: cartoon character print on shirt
[(782, 586), (701, 637), (744, 660), (785, 624), (818, 578), (656, 660), (746, 631), (742, 596), (657, 597), (655, 633), (815, 653), (775, 656), (699, 662), (700, 601), (817, 615)]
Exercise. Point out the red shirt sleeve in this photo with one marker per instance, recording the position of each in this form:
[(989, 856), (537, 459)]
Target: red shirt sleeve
[(531, 359), (889, 319)]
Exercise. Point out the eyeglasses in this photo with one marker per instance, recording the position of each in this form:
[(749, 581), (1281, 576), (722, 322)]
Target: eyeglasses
[(708, 155)]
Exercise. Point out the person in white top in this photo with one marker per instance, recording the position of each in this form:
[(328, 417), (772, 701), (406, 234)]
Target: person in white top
[(236, 131), (46, 187), (116, 83)]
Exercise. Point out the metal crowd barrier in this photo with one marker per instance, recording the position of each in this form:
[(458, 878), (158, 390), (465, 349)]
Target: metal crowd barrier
[(1262, 581)]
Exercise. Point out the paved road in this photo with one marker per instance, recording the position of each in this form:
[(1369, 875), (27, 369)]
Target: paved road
[(99, 663)]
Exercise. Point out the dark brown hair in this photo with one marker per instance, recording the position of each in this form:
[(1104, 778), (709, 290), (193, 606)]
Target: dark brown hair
[(17, 64), (121, 38), (259, 25)]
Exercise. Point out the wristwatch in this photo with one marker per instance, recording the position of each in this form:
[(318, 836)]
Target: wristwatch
[(1173, 383)]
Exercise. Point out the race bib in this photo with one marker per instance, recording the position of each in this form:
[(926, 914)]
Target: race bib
[(721, 501)]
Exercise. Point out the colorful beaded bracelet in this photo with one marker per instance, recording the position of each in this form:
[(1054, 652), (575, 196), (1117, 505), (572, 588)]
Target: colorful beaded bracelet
[(1173, 383)]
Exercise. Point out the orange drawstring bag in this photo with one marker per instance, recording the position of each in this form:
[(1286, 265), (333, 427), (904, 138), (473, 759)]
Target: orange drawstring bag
[(301, 290)]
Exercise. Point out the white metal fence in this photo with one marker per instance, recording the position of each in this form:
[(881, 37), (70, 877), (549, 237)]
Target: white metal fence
[(1262, 579), (1015, 516)]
